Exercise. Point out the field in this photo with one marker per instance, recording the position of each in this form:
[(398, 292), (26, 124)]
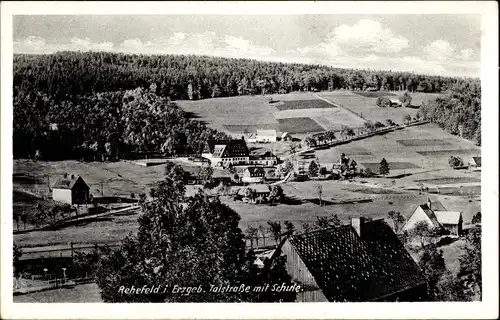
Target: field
[(374, 94), (244, 115), (303, 104), (374, 167), (299, 125), (364, 104), (449, 180), (423, 142)]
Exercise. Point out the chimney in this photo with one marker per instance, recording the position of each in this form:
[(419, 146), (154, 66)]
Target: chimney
[(65, 175), (429, 204), (357, 224), (72, 176)]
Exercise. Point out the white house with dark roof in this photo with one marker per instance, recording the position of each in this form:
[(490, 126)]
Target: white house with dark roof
[(269, 135), (436, 215), (71, 190)]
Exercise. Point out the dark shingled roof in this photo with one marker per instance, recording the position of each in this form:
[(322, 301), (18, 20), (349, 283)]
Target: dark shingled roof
[(436, 206), (64, 183), (233, 148), (350, 268), (256, 171), (477, 160)]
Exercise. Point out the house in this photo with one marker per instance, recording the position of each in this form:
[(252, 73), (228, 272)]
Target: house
[(475, 162), (222, 153), (285, 136), (266, 159), (260, 190), (266, 135), (395, 102), (253, 175), (360, 262), (71, 190), (436, 215)]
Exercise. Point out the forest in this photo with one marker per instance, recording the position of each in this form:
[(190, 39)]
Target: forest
[(200, 77), (458, 111), (99, 105)]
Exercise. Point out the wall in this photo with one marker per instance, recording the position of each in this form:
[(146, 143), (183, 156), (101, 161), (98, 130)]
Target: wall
[(62, 195), (300, 274), (417, 216)]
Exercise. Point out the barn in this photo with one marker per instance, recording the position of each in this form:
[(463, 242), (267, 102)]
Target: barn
[(71, 190), (361, 262)]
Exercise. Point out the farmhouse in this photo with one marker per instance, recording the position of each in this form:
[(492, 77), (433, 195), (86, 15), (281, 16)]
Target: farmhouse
[(266, 135), (475, 162), (223, 153), (253, 175), (395, 102), (261, 190), (72, 190), (266, 159), (436, 215), (361, 262)]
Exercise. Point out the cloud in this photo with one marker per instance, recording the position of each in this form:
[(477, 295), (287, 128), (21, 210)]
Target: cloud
[(341, 48), (439, 50), (466, 54), (242, 46), (367, 36), (35, 44)]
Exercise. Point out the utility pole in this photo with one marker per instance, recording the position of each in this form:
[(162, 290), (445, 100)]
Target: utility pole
[(102, 189)]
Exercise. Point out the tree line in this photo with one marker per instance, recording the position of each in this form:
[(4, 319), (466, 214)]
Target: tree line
[(458, 111), (100, 126), (198, 77)]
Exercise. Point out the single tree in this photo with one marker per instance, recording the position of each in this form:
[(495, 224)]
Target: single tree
[(384, 167), (250, 233), (276, 194), (378, 125), (397, 219), (433, 266), (422, 231), (307, 226), (289, 227), (389, 122), (322, 222), (407, 119), (275, 229), (310, 142), (263, 233), (405, 99), (313, 169), (476, 218), (319, 190), (455, 162), (470, 275), (383, 102)]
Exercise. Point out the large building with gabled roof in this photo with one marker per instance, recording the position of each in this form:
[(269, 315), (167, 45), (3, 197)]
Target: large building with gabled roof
[(361, 262), (223, 153)]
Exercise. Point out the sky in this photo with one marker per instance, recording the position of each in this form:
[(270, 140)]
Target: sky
[(447, 45)]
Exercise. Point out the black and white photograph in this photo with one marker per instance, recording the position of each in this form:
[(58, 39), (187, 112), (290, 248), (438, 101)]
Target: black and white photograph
[(276, 157)]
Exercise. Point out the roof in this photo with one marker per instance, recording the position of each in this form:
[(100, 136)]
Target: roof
[(64, 183), (448, 217), (395, 100), (266, 133), (256, 170), (285, 134), (347, 267), (477, 160), (227, 148), (430, 213)]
